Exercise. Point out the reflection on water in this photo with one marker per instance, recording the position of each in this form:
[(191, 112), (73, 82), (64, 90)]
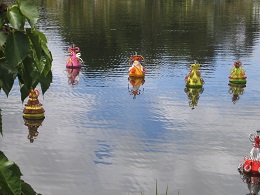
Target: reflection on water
[(73, 75), (193, 95), (33, 125), (135, 84), (253, 184), (236, 91)]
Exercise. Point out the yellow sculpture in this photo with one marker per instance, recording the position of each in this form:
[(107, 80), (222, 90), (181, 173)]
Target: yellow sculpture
[(193, 79)]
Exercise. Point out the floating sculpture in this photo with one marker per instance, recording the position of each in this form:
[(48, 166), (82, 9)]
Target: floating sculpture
[(193, 95), (74, 61), (236, 90), (193, 79), (249, 169), (137, 69), (237, 74), (136, 82), (33, 109)]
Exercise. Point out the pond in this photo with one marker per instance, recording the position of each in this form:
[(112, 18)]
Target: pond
[(99, 138)]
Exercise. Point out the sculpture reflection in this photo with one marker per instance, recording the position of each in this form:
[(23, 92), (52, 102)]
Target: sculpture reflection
[(73, 75), (33, 125), (136, 83), (249, 169), (193, 95), (236, 90)]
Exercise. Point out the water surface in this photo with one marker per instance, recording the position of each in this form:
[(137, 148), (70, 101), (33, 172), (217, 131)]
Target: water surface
[(97, 138)]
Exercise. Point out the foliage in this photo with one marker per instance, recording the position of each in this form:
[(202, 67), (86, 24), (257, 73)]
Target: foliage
[(10, 179), (1, 131), (24, 54), (156, 190)]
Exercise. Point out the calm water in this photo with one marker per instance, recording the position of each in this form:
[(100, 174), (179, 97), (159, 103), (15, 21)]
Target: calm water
[(98, 139)]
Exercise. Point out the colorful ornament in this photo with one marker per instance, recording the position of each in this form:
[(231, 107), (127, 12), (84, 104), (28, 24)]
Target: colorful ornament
[(33, 109), (74, 61), (249, 169), (193, 79), (237, 74), (137, 69)]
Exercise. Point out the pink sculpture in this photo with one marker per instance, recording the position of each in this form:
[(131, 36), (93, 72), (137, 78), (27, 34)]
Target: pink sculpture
[(74, 61)]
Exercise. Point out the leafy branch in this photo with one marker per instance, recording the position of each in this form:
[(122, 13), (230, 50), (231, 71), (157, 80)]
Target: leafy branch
[(24, 54)]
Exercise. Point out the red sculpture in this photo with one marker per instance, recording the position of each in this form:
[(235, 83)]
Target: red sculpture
[(249, 169)]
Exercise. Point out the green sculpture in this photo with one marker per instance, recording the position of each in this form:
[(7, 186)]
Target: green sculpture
[(237, 74)]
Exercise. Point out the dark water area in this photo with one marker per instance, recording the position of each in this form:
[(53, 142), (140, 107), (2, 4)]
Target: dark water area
[(97, 138)]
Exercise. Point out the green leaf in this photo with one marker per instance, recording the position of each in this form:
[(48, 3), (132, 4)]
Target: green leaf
[(23, 88), (42, 36), (16, 19), (44, 57), (2, 18), (10, 182), (2, 38), (36, 41), (36, 49), (27, 189), (45, 81), (25, 72), (17, 48), (156, 188), (7, 77), (47, 52), (30, 11), (24, 92)]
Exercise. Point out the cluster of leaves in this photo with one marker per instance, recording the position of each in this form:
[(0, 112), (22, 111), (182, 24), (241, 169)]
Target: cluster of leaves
[(10, 179), (10, 176), (24, 55), (23, 51)]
